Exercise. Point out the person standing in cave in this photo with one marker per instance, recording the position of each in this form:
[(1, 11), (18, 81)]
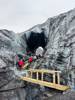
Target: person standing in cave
[(39, 52)]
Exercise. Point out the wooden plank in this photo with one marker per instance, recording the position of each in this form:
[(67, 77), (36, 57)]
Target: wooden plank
[(31, 74), (37, 75), (58, 78), (42, 76), (44, 83), (44, 71), (54, 78), (25, 65)]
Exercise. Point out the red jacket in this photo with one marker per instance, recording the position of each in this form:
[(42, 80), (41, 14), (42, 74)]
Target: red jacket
[(30, 59), (21, 63)]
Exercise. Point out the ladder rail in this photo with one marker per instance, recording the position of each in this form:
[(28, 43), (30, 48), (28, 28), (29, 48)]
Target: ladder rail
[(43, 82)]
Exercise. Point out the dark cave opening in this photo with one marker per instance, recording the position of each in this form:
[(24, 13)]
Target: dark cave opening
[(35, 40)]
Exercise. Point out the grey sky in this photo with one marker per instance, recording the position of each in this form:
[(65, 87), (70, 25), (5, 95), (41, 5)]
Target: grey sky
[(20, 15)]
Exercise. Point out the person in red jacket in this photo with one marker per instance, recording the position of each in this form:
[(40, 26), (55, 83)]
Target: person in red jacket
[(30, 59), (21, 63)]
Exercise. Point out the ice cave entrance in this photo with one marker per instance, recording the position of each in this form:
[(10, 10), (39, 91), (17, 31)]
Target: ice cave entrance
[(35, 40)]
